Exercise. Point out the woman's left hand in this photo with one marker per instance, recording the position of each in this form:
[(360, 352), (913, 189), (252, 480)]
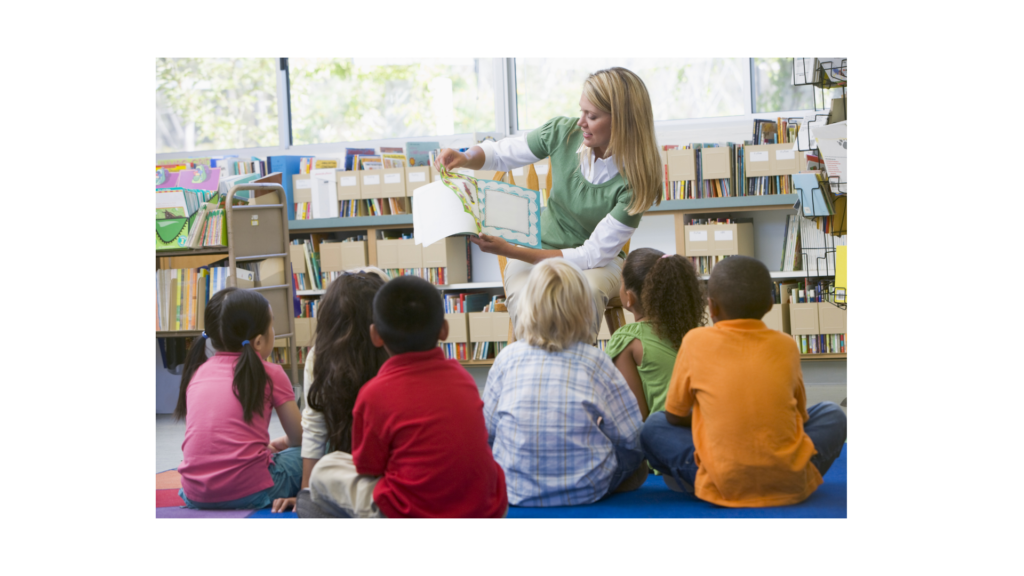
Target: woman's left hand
[(492, 245)]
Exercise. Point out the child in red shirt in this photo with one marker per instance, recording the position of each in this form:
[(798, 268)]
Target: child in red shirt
[(418, 433)]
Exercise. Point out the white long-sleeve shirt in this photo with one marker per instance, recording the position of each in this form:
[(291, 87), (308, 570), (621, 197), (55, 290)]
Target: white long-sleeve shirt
[(608, 237)]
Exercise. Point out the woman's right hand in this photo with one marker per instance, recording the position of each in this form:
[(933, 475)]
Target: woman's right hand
[(452, 159)]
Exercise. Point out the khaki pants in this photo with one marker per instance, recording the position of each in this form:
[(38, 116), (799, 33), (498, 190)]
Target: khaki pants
[(337, 488), (604, 285)]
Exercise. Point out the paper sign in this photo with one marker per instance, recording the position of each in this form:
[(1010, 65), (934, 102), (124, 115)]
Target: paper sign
[(542, 169), (758, 156), (371, 180), (307, 183), (723, 235), (518, 172), (347, 181), (255, 220), (392, 178), (325, 192), (417, 177), (437, 177), (698, 235), (785, 155)]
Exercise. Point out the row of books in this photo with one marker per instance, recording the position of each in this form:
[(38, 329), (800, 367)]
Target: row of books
[(180, 294), (704, 264), (308, 307), (363, 207), (313, 278), (821, 343), (699, 187), (455, 350), (812, 291), (435, 276), (280, 355), (485, 350)]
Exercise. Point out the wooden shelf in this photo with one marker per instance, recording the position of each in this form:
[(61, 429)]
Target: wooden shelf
[(466, 286), (785, 275), (177, 333), (356, 222), (471, 363), (823, 356), (190, 252), (734, 203)]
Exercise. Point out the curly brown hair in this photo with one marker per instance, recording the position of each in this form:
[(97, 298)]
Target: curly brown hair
[(669, 293)]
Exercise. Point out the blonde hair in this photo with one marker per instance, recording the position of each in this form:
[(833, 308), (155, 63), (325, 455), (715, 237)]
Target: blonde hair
[(557, 309), (622, 94)]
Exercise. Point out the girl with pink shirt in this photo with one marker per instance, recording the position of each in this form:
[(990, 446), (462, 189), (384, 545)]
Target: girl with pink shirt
[(228, 460)]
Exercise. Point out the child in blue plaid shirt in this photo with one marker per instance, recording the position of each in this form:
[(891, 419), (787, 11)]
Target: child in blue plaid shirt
[(561, 420)]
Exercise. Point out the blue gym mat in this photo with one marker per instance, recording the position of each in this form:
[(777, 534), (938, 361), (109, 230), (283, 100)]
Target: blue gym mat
[(652, 500), (655, 500)]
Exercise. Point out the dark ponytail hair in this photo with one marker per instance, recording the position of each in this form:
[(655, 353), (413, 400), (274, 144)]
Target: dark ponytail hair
[(197, 353), (668, 291), (244, 315), (344, 358)]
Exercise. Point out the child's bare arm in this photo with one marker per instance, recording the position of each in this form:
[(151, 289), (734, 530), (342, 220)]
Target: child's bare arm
[(627, 366), (291, 421)]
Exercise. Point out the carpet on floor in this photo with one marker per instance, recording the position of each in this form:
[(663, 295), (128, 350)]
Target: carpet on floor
[(652, 500)]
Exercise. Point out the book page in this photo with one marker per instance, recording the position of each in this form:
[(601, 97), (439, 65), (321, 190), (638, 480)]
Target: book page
[(438, 213)]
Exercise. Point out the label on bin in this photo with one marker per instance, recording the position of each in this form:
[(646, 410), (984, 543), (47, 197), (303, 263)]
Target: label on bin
[(371, 180), (392, 178), (723, 235), (307, 183), (346, 181), (758, 156), (784, 155), (698, 235), (417, 177)]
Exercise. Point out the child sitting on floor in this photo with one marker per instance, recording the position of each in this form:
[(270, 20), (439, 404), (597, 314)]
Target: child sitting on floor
[(664, 295), (560, 418), (419, 445), (341, 361), (228, 460), (753, 443)]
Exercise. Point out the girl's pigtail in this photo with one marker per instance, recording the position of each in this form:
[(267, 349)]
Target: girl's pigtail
[(193, 360), (250, 381)]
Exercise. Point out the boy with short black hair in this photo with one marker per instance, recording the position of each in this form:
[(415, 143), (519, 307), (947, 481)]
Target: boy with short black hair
[(418, 426), (753, 442)]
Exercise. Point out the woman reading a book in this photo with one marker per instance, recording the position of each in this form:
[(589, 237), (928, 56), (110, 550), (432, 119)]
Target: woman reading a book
[(606, 172)]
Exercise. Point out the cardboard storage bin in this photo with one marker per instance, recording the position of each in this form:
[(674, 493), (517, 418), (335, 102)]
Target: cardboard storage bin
[(348, 185), (831, 320), (697, 240), (681, 165), (416, 178), (458, 328), (803, 318)]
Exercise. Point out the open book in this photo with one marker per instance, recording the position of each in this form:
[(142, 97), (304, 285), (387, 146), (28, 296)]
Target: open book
[(460, 204)]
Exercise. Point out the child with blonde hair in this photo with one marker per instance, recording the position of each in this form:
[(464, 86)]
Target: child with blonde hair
[(561, 420)]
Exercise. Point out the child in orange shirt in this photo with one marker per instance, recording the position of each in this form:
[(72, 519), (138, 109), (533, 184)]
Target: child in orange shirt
[(753, 442)]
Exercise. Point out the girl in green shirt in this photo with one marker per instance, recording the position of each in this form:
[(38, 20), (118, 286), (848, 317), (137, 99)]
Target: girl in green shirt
[(663, 293), (606, 172)]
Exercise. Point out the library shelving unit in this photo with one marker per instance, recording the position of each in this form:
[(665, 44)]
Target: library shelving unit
[(255, 232), (370, 225)]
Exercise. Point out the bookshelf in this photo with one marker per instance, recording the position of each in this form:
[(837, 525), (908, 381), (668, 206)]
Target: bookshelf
[(255, 232)]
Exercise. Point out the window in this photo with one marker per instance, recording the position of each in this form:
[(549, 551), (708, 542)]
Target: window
[(352, 99), (680, 88), (215, 103), (772, 82)]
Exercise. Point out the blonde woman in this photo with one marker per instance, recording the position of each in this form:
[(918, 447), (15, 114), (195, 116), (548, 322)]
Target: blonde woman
[(561, 420), (605, 173)]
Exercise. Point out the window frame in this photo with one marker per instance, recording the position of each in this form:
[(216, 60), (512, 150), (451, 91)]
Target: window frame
[(722, 128)]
